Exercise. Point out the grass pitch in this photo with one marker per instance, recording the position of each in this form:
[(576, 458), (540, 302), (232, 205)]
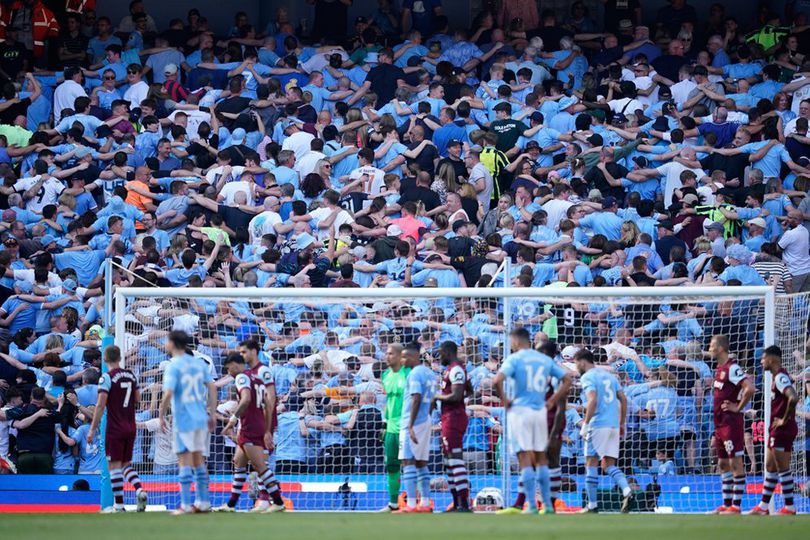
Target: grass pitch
[(358, 526)]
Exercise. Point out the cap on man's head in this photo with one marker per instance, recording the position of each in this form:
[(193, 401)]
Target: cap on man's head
[(170, 69), (690, 198), (238, 136), (453, 142), (47, 240), (716, 226), (25, 287), (361, 20), (758, 222), (532, 145), (394, 230), (666, 224), (609, 202), (69, 285)]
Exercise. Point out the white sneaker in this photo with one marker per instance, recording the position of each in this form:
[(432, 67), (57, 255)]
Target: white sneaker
[(275, 508), (200, 508), (260, 506), (142, 498), (112, 510), (387, 509), (224, 508)]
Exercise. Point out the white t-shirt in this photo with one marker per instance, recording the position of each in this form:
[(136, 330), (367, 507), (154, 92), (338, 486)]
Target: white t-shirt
[(643, 83), (299, 143), (556, 210), (136, 93), (47, 194), (64, 96), (212, 176), (230, 190), (681, 91), (478, 172), (794, 244), (262, 224), (28, 275), (800, 95), (323, 213), (625, 106), (307, 163), (374, 173), (195, 118), (672, 178)]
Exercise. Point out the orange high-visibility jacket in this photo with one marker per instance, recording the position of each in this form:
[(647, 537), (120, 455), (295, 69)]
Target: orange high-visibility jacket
[(79, 6), (43, 22)]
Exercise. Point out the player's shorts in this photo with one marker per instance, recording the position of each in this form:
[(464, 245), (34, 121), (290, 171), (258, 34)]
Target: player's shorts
[(529, 428), (391, 444), (192, 441), (782, 438), (417, 451), (119, 448), (602, 442), (250, 439), (729, 441), (453, 428)]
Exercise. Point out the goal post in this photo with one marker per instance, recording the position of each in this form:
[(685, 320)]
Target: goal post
[(326, 348)]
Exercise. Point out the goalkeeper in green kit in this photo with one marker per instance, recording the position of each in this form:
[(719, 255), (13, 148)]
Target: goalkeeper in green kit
[(393, 380)]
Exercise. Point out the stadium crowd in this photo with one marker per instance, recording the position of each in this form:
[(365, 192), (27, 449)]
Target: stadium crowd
[(408, 154)]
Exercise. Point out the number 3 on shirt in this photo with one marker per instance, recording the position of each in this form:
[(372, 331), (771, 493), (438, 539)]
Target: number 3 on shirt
[(609, 394)]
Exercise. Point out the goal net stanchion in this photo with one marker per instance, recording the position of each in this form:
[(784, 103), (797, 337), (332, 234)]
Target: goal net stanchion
[(327, 350), (792, 335)]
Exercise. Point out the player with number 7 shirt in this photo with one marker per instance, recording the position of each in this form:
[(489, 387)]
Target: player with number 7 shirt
[(118, 394)]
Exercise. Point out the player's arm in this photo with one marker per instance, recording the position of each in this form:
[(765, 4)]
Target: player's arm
[(458, 384), (101, 404), (164, 407), (416, 401), (269, 406), (622, 411), (560, 396), (212, 404), (590, 411), (241, 407), (792, 400)]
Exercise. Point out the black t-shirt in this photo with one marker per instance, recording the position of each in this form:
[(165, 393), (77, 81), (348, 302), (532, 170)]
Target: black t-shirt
[(415, 193), (38, 438), (232, 105), (508, 131), (460, 246), (384, 248), (734, 166), (234, 217), (551, 36), (458, 166), (353, 202), (668, 65), (12, 58), (597, 178), (238, 153), (383, 79), (8, 115), (616, 10), (426, 157), (470, 206), (665, 244)]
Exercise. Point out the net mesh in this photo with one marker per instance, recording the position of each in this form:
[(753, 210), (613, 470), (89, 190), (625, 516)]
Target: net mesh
[(327, 356)]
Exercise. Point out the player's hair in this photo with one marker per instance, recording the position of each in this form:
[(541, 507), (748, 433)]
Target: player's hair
[(180, 340), (522, 334), (251, 344), (413, 346), (233, 357), (584, 354), (722, 341), (112, 354), (773, 350), (448, 350)]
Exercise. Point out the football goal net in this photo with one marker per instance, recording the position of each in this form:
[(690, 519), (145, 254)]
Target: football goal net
[(328, 352)]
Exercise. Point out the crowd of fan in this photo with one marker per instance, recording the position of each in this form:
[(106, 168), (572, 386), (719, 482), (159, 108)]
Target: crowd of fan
[(412, 155)]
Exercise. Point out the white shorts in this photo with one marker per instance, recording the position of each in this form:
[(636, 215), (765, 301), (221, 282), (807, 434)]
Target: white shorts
[(417, 451), (528, 428), (192, 441), (602, 442)]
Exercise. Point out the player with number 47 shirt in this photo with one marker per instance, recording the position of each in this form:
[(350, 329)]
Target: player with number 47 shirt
[(256, 418), (118, 394)]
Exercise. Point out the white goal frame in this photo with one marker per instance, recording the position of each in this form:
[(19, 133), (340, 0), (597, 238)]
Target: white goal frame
[(764, 294)]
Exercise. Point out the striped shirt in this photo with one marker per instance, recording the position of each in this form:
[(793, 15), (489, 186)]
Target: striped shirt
[(774, 273)]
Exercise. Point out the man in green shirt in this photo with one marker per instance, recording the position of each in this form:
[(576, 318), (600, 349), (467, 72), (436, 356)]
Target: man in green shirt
[(393, 380)]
